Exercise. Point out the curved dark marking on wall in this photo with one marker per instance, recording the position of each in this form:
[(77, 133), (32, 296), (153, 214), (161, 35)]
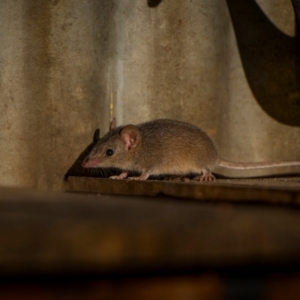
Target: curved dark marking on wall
[(296, 5), (153, 3), (269, 59)]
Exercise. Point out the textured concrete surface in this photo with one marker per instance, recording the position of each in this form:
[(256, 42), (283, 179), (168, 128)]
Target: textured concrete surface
[(52, 87), (66, 68)]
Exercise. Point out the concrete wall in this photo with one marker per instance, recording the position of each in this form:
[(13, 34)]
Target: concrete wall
[(67, 67), (53, 84)]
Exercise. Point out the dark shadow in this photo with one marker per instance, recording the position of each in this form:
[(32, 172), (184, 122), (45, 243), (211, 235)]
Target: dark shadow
[(296, 5), (270, 60), (77, 170), (153, 3)]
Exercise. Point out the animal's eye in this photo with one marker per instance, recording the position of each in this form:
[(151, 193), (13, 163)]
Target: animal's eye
[(109, 152)]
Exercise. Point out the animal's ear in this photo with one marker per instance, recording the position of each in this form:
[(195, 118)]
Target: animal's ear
[(131, 137), (96, 136), (112, 124)]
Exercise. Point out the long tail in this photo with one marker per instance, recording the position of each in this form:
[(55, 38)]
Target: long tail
[(256, 165)]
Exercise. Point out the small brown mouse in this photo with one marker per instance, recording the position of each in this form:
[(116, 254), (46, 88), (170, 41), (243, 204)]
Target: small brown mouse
[(163, 147)]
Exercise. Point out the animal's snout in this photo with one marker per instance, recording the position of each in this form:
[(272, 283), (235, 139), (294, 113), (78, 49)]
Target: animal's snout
[(84, 164), (90, 163)]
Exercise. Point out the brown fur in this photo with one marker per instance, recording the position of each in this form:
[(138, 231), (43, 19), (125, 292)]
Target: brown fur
[(162, 147)]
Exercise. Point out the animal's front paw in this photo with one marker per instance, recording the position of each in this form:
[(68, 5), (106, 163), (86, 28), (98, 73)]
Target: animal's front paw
[(136, 178), (143, 176), (115, 177), (123, 175)]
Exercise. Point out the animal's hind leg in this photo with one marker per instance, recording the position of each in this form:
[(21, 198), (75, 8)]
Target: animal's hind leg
[(206, 175)]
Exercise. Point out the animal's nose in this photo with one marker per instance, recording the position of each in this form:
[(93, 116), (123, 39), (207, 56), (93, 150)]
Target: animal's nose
[(90, 162), (84, 164)]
